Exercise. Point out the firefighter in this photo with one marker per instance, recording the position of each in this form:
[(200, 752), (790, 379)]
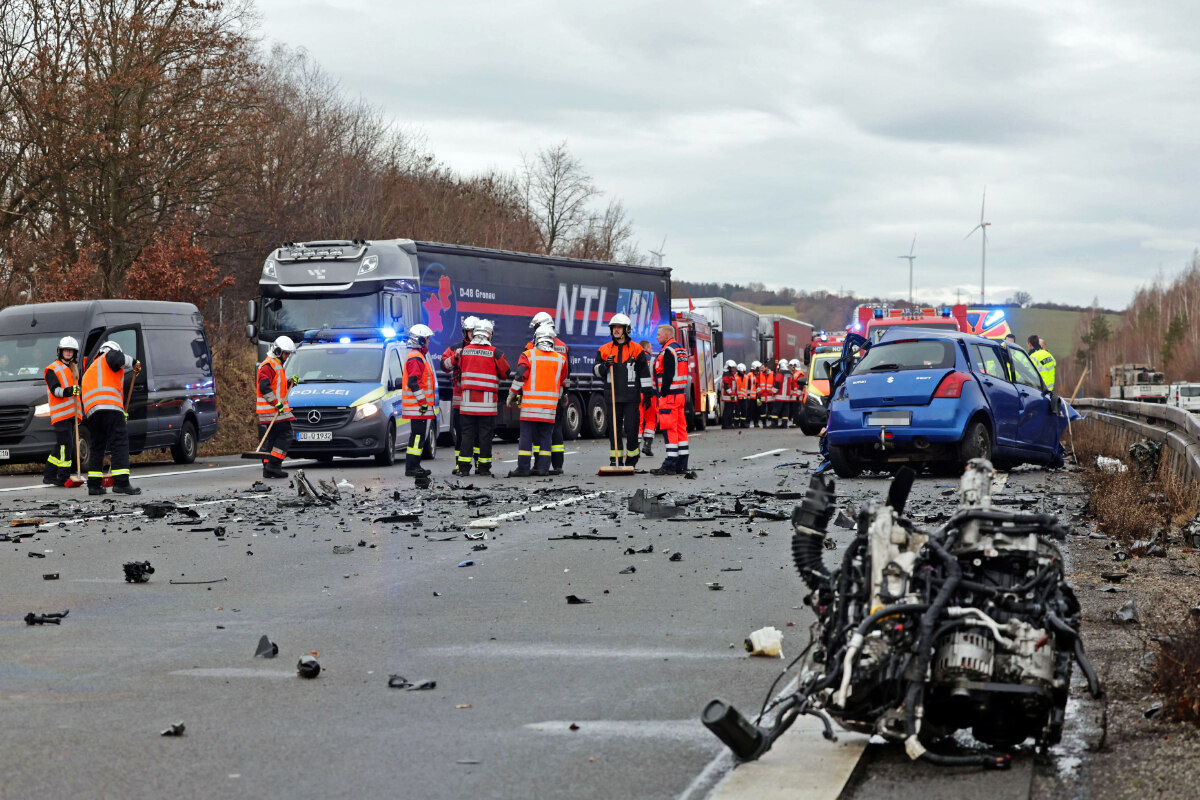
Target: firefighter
[(754, 399), (104, 406), (649, 412), (766, 396), (729, 395), (782, 400), (799, 379), (450, 365), (671, 375), (1043, 360), (481, 367), (539, 380), (622, 363), (558, 439), (62, 395), (418, 398), (743, 393), (272, 386)]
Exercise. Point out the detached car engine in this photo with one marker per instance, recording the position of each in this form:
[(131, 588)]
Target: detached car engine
[(922, 633)]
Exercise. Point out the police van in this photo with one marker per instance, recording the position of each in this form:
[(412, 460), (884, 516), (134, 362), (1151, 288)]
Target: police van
[(347, 398), (1184, 395)]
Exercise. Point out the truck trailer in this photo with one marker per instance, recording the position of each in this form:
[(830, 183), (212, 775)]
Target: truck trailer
[(734, 329), (356, 289), (782, 337)]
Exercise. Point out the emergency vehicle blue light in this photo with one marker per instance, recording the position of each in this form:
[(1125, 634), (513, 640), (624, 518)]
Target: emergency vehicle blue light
[(344, 340), (388, 333), (879, 313), (994, 318)]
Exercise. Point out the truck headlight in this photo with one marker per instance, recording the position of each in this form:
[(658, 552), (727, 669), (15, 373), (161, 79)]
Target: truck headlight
[(269, 268), (42, 411), (366, 410)]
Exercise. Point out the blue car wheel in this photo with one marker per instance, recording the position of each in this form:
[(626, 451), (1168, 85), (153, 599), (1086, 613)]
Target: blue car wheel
[(976, 443)]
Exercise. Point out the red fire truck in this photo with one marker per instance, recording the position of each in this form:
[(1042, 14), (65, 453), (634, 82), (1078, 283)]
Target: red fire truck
[(695, 334), (872, 321)]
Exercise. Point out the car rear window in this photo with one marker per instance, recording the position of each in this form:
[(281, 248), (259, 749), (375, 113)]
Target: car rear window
[(876, 332), (894, 356)]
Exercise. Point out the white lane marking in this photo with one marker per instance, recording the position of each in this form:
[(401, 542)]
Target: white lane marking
[(513, 460), (137, 513), (562, 651), (765, 453), (491, 522), (234, 672), (658, 729)]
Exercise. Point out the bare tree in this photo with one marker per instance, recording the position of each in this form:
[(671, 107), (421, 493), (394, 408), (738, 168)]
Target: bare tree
[(557, 191), (602, 236)]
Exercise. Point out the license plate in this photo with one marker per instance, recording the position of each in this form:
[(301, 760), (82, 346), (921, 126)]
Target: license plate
[(890, 420), (314, 436), (5, 455)]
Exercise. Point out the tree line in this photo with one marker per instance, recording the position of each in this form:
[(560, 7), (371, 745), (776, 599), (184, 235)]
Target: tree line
[(152, 149)]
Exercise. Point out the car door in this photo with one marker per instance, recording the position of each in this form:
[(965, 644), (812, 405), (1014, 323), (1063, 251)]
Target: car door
[(1036, 429), (140, 423), (394, 381), (987, 363)]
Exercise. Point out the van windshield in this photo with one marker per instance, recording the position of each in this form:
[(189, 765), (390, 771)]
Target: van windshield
[(25, 357), (336, 364)]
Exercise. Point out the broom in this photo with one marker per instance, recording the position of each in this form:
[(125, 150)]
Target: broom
[(614, 471), (107, 480), (77, 478), (259, 456)]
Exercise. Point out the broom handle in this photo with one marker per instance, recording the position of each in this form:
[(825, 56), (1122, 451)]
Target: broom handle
[(268, 432), (78, 409), (612, 380)]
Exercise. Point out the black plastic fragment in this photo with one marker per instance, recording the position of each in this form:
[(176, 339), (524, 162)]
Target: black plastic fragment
[(266, 648)]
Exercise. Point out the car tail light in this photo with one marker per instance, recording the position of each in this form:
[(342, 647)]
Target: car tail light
[(951, 385)]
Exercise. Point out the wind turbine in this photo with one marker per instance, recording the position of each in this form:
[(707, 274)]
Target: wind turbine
[(910, 258), (659, 253), (982, 227)]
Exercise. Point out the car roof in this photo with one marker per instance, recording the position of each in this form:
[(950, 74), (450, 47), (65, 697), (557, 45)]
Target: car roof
[(916, 332), (356, 345)]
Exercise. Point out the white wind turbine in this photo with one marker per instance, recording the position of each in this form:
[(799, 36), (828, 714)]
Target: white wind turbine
[(982, 227), (659, 253), (910, 258)]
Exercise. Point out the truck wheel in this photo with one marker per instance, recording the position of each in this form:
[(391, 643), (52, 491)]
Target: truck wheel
[(573, 421), (595, 422), (185, 449), (844, 462), (387, 456), (976, 443)]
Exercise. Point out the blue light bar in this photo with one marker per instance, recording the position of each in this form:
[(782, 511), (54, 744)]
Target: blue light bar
[(879, 313), (994, 318), (388, 333), (344, 340), (945, 311)]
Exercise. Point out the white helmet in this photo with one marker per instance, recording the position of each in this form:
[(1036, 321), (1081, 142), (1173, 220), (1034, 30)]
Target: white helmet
[(741, 367), (111, 345), (540, 318), (470, 322), (68, 343), (482, 331), (731, 364), (755, 364), (283, 344), (621, 319), (784, 363), (543, 337), (419, 335)]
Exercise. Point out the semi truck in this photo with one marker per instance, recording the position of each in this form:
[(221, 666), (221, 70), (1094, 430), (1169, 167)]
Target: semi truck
[(782, 337), (356, 289), (1139, 382), (734, 329)]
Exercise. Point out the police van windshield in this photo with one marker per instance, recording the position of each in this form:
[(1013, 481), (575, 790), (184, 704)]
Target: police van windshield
[(24, 358), (302, 314), (336, 364), (877, 331)]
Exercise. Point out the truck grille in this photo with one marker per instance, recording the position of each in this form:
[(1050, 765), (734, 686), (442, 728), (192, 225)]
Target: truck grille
[(330, 418), (13, 419)]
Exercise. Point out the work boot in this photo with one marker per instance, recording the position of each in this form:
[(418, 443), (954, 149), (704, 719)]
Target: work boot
[(484, 472), (631, 461), (273, 471), (612, 462), (416, 472), (461, 471), (681, 466), (555, 471), (647, 447), (663, 471), (127, 489), (519, 473), (97, 490)]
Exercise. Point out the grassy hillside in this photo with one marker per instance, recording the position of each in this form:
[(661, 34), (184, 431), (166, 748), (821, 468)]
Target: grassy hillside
[(1056, 327)]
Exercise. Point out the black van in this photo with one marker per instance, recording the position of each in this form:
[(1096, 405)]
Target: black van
[(174, 399)]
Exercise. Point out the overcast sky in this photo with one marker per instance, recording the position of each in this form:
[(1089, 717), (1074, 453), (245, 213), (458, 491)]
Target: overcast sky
[(805, 142)]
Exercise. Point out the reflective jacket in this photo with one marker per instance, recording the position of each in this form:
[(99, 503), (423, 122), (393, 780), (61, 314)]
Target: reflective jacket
[(481, 367), (103, 384), (1045, 363), (452, 366), (63, 404), (783, 386), (671, 369), (632, 373), (420, 387), (729, 387), (271, 373), (766, 385), (540, 378), (743, 386)]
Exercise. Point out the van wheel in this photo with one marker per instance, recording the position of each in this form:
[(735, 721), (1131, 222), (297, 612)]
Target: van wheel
[(595, 422), (85, 449), (387, 456), (976, 443), (573, 420), (844, 463), (184, 451)]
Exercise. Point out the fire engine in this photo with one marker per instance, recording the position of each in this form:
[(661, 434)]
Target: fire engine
[(872, 321)]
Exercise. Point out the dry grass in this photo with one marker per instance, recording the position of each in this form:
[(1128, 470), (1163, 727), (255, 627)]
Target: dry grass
[(1177, 671), (234, 362)]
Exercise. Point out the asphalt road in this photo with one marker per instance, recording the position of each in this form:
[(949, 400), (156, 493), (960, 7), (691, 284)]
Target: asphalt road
[(517, 668)]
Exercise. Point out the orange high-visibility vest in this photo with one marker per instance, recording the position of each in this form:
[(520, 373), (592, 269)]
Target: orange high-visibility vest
[(743, 386), (547, 370), (679, 382), (265, 406), (62, 408), (766, 385), (102, 387), (426, 393)]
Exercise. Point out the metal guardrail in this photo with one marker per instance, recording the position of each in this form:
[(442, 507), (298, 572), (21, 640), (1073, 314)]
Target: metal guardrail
[(1177, 429)]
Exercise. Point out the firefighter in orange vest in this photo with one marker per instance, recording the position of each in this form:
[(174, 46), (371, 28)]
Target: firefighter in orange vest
[(671, 375), (753, 399), (558, 447), (418, 399), (272, 386), (729, 395), (649, 414), (781, 404), (450, 365), (62, 394), (539, 380), (482, 367), (766, 395), (622, 364), (743, 393), (104, 405)]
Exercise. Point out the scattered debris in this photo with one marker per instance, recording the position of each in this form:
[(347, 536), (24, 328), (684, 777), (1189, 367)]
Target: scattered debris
[(640, 504), (467, 564), (844, 520), (1127, 614), (629, 551), (307, 666), (1145, 454), (1153, 711), (26, 522), (196, 583), (34, 554), (676, 556), (766, 641), (1106, 464), (413, 518), (1114, 577), (716, 587), (50, 576), (45, 619), (628, 570), (343, 549), (720, 534), (572, 600), (266, 648), (175, 730), (137, 571), (401, 682), (766, 513), (590, 536)]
